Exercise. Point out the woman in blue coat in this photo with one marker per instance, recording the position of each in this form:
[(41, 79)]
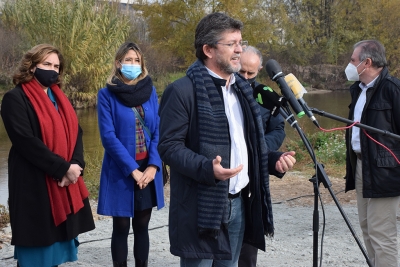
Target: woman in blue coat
[(131, 177)]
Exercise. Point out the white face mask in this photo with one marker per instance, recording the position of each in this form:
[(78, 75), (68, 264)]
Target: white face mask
[(352, 73)]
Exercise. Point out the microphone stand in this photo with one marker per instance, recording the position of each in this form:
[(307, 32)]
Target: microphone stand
[(359, 125), (321, 176)]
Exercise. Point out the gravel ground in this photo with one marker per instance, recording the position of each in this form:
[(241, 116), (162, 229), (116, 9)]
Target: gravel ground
[(291, 246)]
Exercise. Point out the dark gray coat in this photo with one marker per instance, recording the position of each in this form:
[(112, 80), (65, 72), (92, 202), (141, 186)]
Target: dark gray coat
[(381, 172), (178, 146)]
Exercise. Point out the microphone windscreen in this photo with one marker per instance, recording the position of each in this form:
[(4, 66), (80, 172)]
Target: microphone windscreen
[(267, 98), (296, 87)]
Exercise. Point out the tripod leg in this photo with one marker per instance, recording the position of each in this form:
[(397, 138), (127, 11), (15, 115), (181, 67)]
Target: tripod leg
[(315, 222)]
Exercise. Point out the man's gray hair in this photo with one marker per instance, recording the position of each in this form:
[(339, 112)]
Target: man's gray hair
[(252, 49), (210, 28), (374, 50)]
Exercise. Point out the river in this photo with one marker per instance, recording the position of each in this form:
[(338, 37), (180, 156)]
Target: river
[(332, 102)]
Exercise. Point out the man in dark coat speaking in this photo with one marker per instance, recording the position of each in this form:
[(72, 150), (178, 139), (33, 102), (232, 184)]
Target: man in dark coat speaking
[(211, 136)]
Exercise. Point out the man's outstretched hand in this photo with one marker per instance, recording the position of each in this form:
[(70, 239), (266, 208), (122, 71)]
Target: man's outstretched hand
[(223, 174)]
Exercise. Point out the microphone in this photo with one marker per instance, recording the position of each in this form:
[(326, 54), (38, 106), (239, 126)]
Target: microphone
[(268, 98), (274, 71), (298, 91)]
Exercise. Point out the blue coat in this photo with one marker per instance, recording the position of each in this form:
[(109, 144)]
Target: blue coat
[(118, 131)]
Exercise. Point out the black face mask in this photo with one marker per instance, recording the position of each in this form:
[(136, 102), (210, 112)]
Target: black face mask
[(251, 81), (46, 77)]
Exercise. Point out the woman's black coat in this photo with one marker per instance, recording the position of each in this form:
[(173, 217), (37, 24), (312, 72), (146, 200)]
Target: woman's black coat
[(29, 161)]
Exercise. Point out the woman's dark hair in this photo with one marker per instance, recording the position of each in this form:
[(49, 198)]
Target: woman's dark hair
[(34, 56)]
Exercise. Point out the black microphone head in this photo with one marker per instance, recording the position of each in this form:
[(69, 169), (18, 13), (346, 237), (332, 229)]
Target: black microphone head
[(273, 69)]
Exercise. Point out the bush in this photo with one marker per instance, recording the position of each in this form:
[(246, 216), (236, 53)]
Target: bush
[(162, 81), (329, 149), (88, 32)]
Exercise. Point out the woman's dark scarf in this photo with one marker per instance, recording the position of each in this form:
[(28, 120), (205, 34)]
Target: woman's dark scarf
[(214, 140), (132, 95), (59, 133)]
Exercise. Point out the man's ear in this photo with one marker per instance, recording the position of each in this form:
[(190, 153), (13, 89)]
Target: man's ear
[(368, 63), (207, 50)]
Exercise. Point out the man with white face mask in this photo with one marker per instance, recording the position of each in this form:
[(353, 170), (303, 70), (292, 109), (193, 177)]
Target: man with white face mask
[(370, 168)]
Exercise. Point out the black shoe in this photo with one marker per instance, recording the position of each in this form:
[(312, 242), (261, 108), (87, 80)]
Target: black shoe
[(140, 263), (119, 264)]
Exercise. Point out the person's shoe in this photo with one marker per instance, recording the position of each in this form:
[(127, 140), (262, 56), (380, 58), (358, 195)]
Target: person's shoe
[(140, 263), (119, 264)]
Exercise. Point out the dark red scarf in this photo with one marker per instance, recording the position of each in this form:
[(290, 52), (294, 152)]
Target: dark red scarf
[(59, 133)]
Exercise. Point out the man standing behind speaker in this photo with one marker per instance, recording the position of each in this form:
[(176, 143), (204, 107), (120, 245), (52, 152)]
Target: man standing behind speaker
[(370, 168), (274, 133), (274, 127)]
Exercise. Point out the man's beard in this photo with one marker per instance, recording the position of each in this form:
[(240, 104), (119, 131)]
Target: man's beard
[(226, 67)]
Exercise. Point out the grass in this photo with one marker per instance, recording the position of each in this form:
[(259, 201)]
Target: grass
[(329, 149), (92, 172), (162, 81)]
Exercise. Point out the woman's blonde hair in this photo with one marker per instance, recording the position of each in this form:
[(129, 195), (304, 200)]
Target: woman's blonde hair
[(34, 56), (121, 52)]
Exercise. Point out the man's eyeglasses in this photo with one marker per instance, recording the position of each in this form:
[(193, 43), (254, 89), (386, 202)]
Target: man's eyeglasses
[(234, 44)]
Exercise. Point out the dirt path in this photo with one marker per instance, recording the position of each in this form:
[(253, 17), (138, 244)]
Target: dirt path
[(291, 246)]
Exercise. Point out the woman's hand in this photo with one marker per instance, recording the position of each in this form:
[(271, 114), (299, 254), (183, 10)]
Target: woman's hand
[(144, 178), (148, 175), (73, 173), (138, 176), (64, 182)]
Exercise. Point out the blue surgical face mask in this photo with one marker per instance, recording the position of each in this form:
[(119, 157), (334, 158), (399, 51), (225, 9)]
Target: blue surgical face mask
[(130, 71)]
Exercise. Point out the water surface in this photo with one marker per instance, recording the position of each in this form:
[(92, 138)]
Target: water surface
[(332, 102)]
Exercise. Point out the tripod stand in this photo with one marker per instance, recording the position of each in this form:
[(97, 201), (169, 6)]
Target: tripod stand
[(321, 176)]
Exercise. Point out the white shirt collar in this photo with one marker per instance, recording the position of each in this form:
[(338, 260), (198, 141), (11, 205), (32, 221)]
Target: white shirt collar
[(232, 78), (371, 84)]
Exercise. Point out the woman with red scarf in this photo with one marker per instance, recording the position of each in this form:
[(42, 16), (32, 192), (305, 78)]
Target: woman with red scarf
[(48, 200)]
